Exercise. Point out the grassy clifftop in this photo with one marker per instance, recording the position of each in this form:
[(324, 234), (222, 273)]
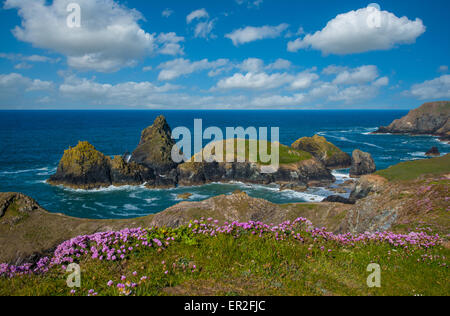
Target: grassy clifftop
[(414, 169), (240, 259)]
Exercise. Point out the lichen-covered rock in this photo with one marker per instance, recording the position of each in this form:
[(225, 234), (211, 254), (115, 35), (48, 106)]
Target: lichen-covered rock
[(431, 118), (83, 167), (330, 155), (155, 148), (362, 164)]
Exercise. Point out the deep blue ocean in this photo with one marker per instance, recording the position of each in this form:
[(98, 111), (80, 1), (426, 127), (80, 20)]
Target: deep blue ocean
[(32, 143)]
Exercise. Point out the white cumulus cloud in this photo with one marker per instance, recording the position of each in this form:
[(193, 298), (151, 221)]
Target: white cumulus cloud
[(255, 81), (358, 75), (180, 67), (109, 38), (433, 89), (363, 30), (251, 33)]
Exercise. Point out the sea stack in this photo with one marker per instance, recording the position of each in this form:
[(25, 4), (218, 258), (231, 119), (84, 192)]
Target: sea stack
[(155, 148), (82, 167), (362, 164)]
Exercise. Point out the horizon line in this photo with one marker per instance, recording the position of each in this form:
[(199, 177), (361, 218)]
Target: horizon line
[(193, 109)]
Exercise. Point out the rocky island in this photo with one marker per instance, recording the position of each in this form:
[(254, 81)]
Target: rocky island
[(308, 162), (430, 119)]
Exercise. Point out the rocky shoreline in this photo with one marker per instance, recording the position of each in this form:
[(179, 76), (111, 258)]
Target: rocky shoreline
[(430, 119), (308, 162), (376, 204)]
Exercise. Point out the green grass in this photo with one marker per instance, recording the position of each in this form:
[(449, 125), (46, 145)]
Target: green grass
[(253, 266), (287, 155), (414, 169)]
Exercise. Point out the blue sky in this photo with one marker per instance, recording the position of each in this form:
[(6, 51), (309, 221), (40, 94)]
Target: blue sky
[(228, 54)]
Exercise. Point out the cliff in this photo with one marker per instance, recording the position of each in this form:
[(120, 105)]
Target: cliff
[(429, 119)]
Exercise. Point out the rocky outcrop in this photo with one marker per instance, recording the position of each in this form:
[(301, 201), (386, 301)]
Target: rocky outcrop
[(366, 185), (296, 168), (83, 167), (362, 164), (430, 119), (433, 152), (155, 148), (27, 232), (123, 173), (330, 155), (339, 199)]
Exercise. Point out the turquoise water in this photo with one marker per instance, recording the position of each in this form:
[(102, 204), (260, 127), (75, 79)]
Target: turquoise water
[(32, 143)]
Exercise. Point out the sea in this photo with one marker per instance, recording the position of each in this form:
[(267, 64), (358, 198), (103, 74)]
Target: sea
[(33, 142)]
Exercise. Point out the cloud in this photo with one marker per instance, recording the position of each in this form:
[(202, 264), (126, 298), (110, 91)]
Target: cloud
[(131, 93), (109, 38), (180, 67), (140, 94), (333, 69), (204, 29), (257, 65), (278, 101), (443, 69), (304, 80), (31, 58), (252, 65), (250, 3), (433, 89), (359, 92), (358, 75), (147, 68), (250, 33), (280, 64), (197, 14), (364, 30), (17, 82), (254, 81), (170, 44), (23, 65), (167, 13), (255, 77)]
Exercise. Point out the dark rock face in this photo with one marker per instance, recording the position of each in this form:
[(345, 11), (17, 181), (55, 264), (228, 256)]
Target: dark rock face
[(299, 174), (123, 173), (433, 152), (362, 164), (330, 155), (155, 148), (339, 199), (430, 119)]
